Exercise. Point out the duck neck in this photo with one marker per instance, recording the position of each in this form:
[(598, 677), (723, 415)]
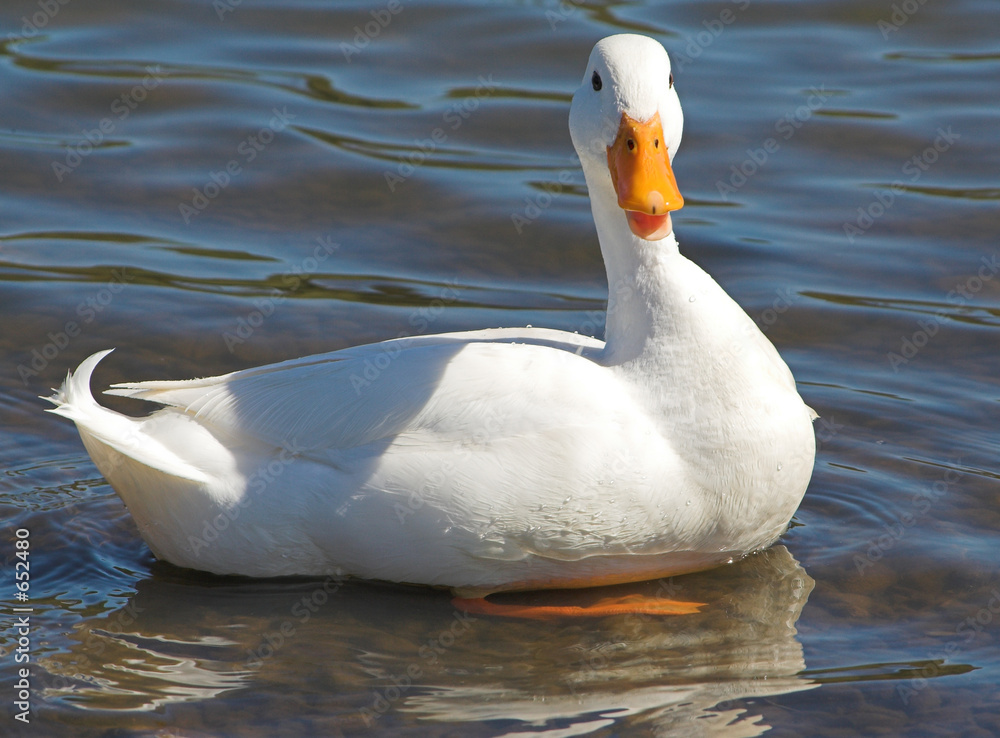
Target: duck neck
[(643, 282)]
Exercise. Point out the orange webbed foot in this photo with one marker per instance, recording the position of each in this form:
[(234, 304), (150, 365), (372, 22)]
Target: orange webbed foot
[(621, 605)]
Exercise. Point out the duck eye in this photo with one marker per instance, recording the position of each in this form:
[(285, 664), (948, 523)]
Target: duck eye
[(671, 80), (656, 143), (596, 81)]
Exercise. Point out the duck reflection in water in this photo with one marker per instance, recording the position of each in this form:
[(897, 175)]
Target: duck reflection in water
[(376, 655)]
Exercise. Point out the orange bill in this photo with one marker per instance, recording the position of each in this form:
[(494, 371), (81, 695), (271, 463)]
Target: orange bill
[(643, 180)]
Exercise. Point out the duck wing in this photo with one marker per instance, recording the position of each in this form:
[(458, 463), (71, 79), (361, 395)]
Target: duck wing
[(350, 398)]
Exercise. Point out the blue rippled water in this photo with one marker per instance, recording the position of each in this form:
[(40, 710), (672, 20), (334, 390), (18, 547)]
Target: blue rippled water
[(214, 185)]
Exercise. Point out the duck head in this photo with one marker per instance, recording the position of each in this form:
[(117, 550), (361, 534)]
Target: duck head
[(626, 124)]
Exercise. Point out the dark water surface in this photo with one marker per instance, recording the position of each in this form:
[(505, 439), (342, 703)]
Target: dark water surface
[(215, 186)]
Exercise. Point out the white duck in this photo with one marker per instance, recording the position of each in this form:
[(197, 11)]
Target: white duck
[(501, 459)]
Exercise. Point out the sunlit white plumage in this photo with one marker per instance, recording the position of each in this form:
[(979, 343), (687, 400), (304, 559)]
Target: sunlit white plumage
[(498, 459)]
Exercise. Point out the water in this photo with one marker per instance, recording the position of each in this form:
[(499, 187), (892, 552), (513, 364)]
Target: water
[(210, 187)]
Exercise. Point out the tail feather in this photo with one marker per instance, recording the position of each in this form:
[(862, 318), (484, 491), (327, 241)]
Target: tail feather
[(114, 439), (73, 398), (170, 471)]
